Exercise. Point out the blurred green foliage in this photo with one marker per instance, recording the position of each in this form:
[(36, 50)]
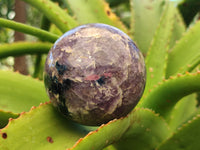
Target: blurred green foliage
[(189, 9)]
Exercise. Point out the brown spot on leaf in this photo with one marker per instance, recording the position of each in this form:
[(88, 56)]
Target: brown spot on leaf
[(149, 7), (49, 139), (108, 12), (187, 72), (4, 135), (33, 107), (150, 69), (10, 119), (179, 75), (22, 113), (168, 101)]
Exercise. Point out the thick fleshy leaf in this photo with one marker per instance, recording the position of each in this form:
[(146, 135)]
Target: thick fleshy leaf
[(186, 138), (54, 13), (145, 19), (110, 147), (43, 128), (146, 133), (182, 111), (95, 11), (143, 125), (17, 26), (165, 95), (5, 116), (22, 48), (157, 53), (105, 135), (19, 93), (185, 55), (178, 29)]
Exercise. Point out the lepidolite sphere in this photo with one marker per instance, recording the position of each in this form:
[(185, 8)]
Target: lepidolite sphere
[(94, 73)]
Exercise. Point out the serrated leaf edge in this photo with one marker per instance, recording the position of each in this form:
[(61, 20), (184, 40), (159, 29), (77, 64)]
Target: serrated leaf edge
[(22, 114), (180, 129), (152, 43), (112, 16), (112, 121), (173, 77), (9, 112), (93, 132), (185, 34)]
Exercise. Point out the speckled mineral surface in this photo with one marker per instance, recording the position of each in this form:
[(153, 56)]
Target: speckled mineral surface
[(94, 73)]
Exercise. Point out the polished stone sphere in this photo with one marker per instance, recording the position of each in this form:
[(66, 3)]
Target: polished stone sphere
[(94, 73)]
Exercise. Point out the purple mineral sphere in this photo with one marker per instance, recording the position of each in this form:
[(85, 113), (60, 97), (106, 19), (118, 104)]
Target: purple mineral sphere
[(94, 73)]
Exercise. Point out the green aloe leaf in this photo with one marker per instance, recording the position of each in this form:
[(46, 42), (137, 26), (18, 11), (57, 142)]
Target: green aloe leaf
[(54, 13), (19, 93), (178, 29), (157, 53), (110, 147), (185, 55), (5, 116), (163, 97), (95, 11), (139, 125), (145, 19), (182, 111), (42, 34), (22, 48), (185, 138), (146, 133), (43, 128), (104, 135)]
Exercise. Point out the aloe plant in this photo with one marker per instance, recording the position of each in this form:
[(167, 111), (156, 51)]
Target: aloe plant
[(168, 114)]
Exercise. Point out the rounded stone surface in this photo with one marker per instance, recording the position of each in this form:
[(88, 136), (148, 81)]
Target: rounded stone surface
[(94, 73)]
